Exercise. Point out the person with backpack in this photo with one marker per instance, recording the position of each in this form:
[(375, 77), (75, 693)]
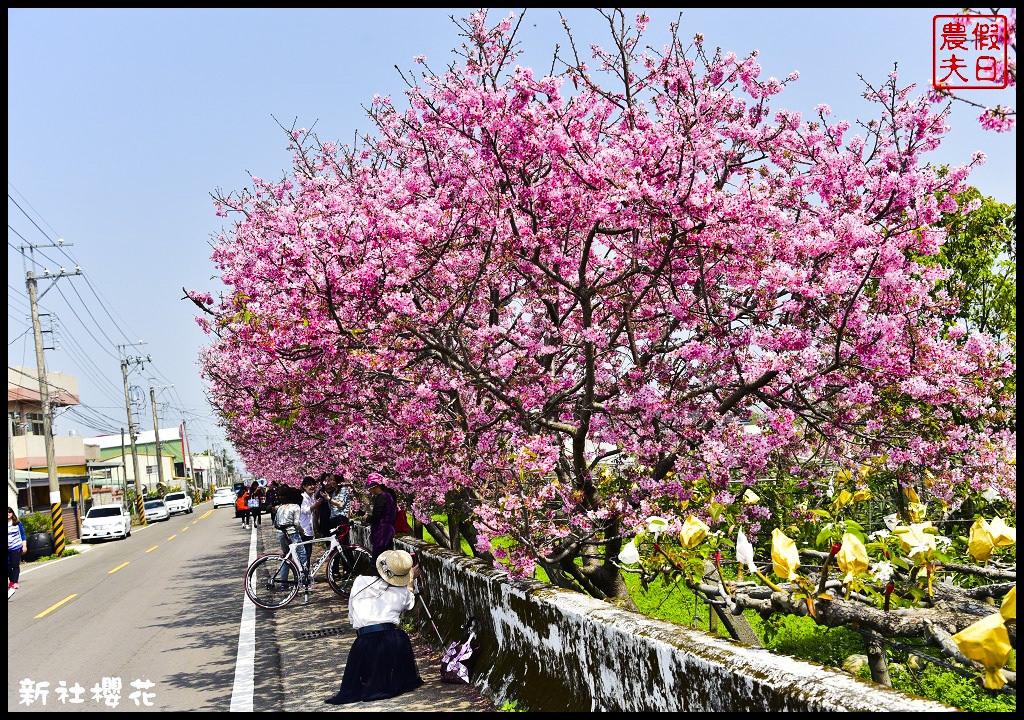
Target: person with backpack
[(380, 663), (286, 520), (253, 502), (382, 517), (242, 508)]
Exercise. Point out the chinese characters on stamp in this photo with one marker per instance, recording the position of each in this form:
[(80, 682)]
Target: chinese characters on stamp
[(969, 52)]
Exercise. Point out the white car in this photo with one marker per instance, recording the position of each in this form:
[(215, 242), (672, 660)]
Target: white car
[(223, 496), (155, 510), (106, 521), (178, 502)]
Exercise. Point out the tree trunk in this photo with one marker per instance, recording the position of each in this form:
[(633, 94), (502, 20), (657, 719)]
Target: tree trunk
[(876, 659)]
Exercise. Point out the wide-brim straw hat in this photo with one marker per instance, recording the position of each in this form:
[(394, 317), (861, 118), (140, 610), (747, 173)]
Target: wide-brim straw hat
[(395, 567)]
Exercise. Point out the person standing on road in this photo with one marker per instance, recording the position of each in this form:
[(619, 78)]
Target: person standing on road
[(382, 518), (333, 505), (286, 521), (380, 663), (306, 506), (273, 499), (254, 501), (15, 543), (242, 508)]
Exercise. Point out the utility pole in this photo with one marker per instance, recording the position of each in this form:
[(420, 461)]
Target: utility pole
[(124, 474), (156, 433), (44, 398), (188, 452), (10, 457), (140, 515)]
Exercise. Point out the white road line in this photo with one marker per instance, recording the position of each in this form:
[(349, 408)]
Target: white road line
[(241, 693)]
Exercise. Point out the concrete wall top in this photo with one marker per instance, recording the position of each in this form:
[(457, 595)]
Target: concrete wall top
[(557, 650)]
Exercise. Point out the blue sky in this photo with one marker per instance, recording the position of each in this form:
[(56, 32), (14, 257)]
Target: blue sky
[(122, 122)]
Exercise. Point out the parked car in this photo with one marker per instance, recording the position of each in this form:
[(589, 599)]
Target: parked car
[(106, 521), (178, 502), (155, 510), (223, 496)]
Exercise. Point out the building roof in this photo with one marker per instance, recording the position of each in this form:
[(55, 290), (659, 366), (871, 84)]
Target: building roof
[(23, 386), (148, 437)]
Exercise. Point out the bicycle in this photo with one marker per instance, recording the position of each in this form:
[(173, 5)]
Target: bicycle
[(273, 580)]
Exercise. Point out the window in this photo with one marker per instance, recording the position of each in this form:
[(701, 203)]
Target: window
[(34, 423)]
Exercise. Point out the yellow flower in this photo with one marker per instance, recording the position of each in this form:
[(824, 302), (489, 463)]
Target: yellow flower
[(862, 494), (916, 541), (911, 494), (749, 497), (916, 511), (693, 532), (785, 559), (988, 643), (852, 557), (1002, 534), (844, 498), (980, 544), (1009, 607)]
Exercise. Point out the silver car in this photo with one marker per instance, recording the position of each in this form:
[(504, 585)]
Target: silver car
[(155, 510)]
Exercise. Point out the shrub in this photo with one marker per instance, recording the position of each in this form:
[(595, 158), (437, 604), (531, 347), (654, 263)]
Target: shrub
[(37, 522)]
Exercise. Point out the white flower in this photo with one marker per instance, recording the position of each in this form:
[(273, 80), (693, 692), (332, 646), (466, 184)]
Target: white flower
[(891, 521), (882, 572), (991, 495), (943, 542), (629, 555), (745, 552), (657, 526), (880, 535)]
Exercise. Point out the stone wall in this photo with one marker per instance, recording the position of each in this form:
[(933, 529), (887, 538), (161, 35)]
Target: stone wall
[(556, 650)]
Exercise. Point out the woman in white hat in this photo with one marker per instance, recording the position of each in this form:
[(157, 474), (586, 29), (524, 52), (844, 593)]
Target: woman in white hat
[(380, 664)]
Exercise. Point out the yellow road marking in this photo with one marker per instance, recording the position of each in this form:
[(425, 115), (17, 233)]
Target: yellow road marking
[(205, 514), (54, 607), (184, 529), (172, 537), (153, 548), (111, 572), (194, 522)]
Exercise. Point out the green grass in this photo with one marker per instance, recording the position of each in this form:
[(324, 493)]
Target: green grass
[(67, 553)]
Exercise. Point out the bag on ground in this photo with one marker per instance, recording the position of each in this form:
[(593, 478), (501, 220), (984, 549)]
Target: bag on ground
[(457, 662)]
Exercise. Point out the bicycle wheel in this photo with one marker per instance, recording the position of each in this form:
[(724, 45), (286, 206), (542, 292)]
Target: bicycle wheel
[(341, 572), (272, 581)]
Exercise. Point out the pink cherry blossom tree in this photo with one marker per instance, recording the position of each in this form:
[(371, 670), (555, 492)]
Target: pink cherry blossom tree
[(557, 305)]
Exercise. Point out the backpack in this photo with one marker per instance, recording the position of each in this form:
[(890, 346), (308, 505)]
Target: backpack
[(401, 521), (456, 664)]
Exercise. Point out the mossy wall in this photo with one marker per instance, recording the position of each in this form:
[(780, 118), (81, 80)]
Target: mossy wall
[(556, 650)]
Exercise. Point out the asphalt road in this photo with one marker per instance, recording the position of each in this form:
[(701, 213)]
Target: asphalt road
[(160, 607)]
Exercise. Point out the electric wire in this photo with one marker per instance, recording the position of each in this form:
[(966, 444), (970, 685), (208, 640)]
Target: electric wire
[(104, 304)]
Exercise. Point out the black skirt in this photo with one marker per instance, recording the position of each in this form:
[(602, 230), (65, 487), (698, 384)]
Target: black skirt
[(380, 665)]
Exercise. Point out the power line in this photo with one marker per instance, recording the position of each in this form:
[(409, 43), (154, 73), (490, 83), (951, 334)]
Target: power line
[(98, 343), (108, 308), (29, 218)]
